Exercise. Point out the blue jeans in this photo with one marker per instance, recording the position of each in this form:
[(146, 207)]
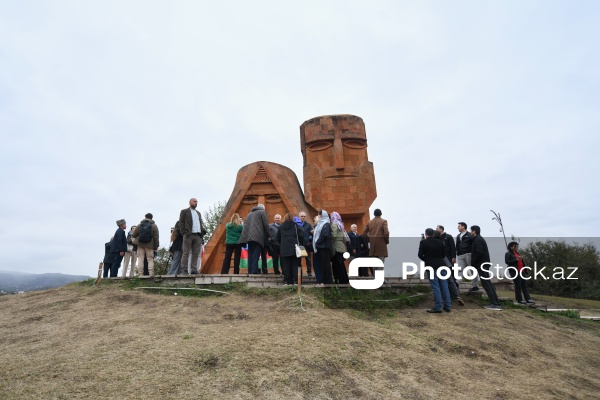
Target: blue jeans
[(254, 250), (440, 291)]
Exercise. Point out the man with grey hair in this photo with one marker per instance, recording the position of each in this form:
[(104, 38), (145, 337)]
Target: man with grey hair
[(118, 247), (192, 229), (273, 246), (256, 230), (307, 228)]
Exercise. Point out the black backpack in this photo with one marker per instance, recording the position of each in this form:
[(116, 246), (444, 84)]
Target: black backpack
[(145, 235)]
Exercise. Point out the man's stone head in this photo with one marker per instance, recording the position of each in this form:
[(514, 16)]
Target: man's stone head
[(337, 170)]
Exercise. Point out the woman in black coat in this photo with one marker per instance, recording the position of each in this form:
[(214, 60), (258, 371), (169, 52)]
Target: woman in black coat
[(322, 246), (288, 235), (513, 259)]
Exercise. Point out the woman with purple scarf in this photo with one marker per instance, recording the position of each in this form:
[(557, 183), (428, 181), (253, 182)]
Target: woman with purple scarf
[(338, 248)]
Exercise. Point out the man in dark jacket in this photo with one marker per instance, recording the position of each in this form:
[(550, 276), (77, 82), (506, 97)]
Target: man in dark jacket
[(479, 256), (356, 248), (273, 246), (108, 258), (118, 247), (431, 251), (450, 252), (306, 228), (256, 230), (192, 229)]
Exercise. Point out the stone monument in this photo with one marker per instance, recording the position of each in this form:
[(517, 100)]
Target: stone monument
[(338, 176), (261, 182)]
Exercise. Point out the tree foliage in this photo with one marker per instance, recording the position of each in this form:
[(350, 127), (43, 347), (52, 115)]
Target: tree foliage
[(559, 254), (162, 261), (212, 217)]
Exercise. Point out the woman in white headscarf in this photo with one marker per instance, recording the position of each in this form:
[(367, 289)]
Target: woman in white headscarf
[(322, 246), (338, 248)]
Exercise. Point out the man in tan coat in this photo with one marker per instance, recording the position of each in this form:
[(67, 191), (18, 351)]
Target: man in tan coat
[(376, 232)]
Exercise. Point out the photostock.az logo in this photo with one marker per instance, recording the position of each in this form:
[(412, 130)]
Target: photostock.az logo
[(364, 262)]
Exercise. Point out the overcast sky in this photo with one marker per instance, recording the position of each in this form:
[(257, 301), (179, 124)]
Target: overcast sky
[(113, 109)]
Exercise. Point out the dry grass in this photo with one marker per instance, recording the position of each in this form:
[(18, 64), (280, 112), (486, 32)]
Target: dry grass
[(82, 342)]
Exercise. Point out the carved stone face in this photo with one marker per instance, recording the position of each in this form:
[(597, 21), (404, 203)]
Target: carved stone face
[(338, 175)]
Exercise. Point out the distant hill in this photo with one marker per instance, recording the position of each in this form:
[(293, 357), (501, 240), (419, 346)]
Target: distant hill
[(11, 282)]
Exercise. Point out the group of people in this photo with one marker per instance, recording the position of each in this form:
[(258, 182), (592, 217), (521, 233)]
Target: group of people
[(325, 242), (321, 245), (438, 249), (137, 247), (140, 245)]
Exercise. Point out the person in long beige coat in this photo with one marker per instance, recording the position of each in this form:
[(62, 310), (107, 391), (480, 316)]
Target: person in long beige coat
[(376, 231)]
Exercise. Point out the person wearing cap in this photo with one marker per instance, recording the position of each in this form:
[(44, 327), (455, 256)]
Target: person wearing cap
[(118, 247), (146, 249)]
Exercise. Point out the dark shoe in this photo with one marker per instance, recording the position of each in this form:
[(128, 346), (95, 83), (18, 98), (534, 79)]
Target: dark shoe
[(474, 289), (309, 274), (434, 311), (460, 301), (447, 309), (522, 302), (530, 302)]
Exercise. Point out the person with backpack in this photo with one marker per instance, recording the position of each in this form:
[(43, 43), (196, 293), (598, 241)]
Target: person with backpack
[(147, 235)]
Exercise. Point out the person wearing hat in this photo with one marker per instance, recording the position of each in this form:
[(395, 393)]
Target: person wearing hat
[(118, 247)]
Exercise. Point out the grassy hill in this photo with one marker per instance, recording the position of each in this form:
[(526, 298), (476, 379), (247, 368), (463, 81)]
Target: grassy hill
[(79, 341)]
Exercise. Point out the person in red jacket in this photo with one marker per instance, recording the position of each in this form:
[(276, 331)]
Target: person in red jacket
[(513, 259)]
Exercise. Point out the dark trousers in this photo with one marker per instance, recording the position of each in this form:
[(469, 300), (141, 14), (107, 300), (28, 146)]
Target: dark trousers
[(275, 257), (263, 259), (106, 269), (453, 288), (521, 286), (290, 265), (488, 286), (308, 262), (254, 250), (147, 271), (325, 264), (317, 268), (236, 250), (114, 268), (340, 275)]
